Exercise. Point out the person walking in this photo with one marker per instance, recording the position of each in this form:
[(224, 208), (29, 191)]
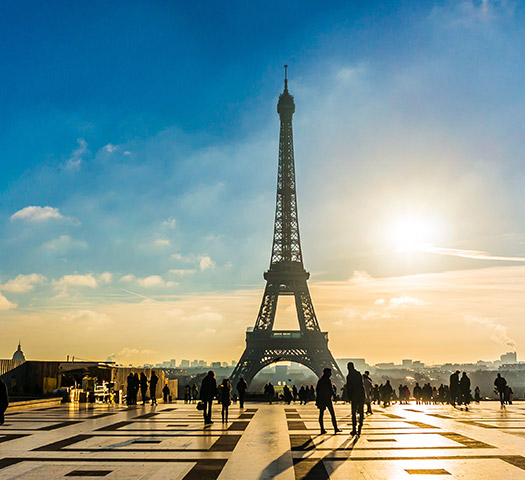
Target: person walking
[(207, 394), (356, 394), (368, 386), (464, 387), (477, 394), (143, 387), (153, 388), (225, 398), (500, 383), (241, 388), (325, 392), (4, 401)]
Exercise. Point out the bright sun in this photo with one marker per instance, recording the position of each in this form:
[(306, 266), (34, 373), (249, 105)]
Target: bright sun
[(412, 233)]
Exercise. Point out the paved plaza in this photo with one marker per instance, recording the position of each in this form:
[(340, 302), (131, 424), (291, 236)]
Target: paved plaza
[(262, 442)]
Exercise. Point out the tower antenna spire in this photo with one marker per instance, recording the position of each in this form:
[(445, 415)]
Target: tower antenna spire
[(286, 78)]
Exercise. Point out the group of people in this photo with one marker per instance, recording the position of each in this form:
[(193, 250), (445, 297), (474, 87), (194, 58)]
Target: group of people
[(136, 383), (191, 393), (209, 392)]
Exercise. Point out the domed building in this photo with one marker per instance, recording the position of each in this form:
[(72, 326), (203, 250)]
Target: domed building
[(19, 355)]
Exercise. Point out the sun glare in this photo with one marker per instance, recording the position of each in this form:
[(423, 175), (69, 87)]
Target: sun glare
[(413, 233)]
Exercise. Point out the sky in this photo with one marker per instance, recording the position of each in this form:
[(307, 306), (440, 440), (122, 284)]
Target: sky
[(139, 161)]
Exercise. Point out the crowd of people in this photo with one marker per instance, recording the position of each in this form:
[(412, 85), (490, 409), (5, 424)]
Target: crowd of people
[(135, 383)]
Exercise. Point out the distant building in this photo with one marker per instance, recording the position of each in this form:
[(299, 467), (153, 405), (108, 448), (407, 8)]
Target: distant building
[(509, 357), (173, 363), (184, 363), (215, 365), (407, 363), (19, 355)]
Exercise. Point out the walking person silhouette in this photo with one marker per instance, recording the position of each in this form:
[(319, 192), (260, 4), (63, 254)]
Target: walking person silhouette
[(225, 390), (207, 394), (356, 395), (325, 392), (153, 387)]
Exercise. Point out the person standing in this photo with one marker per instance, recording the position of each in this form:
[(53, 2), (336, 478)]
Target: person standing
[(500, 383), (454, 387), (4, 401), (225, 398), (241, 388), (143, 387), (477, 394), (356, 394), (165, 393), (325, 392), (129, 389), (368, 386), (207, 394), (153, 387), (464, 386), (194, 393)]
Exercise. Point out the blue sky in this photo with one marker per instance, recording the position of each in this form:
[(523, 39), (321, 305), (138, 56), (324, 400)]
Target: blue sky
[(139, 162)]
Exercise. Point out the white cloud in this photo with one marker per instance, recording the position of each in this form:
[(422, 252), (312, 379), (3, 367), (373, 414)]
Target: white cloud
[(129, 354), (110, 148), (87, 316), (169, 223), (154, 281), (75, 160), (76, 281), (176, 256), (106, 277), (64, 243), (5, 304), (182, 271), (474, 254), (206, 262), (23, 283), (37, 214), (128, 278), (161, 242)]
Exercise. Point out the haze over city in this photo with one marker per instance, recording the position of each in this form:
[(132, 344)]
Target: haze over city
[(139, 164)]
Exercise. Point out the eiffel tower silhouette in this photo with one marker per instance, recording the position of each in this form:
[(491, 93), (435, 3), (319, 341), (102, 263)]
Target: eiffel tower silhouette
[(286, 276)]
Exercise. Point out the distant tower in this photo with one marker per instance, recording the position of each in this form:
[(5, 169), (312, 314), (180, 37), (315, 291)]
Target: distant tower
[(19, 355), (286, 276)]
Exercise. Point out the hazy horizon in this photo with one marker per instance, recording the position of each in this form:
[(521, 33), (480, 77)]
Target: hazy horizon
[(139, 166)]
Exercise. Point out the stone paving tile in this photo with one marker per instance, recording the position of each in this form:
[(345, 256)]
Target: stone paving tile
[(263, 442)]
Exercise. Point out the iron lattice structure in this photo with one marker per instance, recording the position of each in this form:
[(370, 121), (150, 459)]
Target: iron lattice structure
[(286, 276)]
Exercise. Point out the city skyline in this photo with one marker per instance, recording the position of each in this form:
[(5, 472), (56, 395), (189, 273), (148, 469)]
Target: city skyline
[(140, 160)]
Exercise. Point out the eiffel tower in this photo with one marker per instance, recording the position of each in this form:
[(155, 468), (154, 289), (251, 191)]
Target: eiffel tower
[(286, 276)]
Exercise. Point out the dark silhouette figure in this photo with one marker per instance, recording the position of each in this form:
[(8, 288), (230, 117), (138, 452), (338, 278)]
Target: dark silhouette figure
[(500, 383), (287, 395), (129, 389), (294, 393), (454, 388), (508, 396), (386, 393), (368, 386), (207, 394), (4, 401), (464, 387), (356, 394), (418, 393), (269, 391), (477, 394), (136, 386), (143, 387), (165, 393), (194, 393), (241, 388), (225, 398), (187, 394), (302, 395), (325, 392), (153, 387)]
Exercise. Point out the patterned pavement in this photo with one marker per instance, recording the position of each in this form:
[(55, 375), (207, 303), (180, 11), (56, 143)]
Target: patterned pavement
[(262, 442)]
